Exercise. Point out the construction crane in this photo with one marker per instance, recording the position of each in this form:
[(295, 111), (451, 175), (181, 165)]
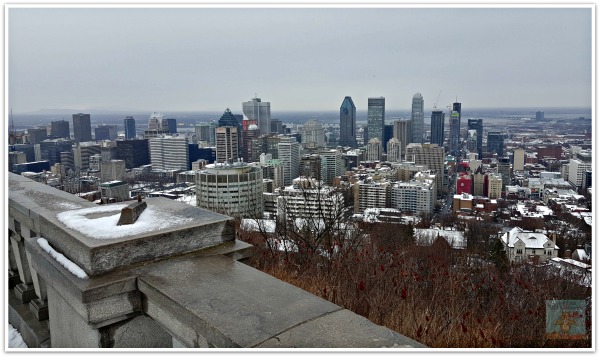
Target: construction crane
[(436, 101)]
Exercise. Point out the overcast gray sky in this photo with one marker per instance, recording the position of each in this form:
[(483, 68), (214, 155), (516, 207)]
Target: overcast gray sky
[(205, 59)]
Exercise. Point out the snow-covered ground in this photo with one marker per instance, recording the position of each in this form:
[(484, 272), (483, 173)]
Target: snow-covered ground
[(14, 338)]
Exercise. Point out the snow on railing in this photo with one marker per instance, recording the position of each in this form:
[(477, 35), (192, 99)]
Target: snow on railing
[(61, 259)]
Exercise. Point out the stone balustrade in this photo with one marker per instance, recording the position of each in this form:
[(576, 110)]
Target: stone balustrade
[(171, 279)]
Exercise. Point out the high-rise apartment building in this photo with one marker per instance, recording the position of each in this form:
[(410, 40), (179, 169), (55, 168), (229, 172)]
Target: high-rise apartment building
[(312, 134), (518, 159), (403, 132), (371, 194), (413, 196), (169, 153), (310, 166), (250, 142), (82, 153), (417, 118), (60, 129), (227, 144), (289, 152), (348, 123), (437, 127), (129, 123), (430, 155), (229, 119), (477, 125), (376, 118), (374, 150), (332, 165), (82, 127), (394, 150), (203, 134), (260, 111)]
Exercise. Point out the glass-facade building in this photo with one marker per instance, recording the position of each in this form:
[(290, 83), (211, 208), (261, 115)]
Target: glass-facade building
[(376, 118), (477, 125), (348, 123), (82, 127), (417, 118), (437, 127), (129, 128)]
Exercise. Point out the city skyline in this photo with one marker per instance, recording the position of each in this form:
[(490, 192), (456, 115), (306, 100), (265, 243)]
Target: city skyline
[(297, 59)]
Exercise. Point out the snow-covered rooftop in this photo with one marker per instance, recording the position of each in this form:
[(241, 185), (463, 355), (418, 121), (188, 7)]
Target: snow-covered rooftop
[(532, 240), (456, 239)]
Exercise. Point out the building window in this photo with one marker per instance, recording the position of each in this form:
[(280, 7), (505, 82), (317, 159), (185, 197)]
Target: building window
[(519, 251)]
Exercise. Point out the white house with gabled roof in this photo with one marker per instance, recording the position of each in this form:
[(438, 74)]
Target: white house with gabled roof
[(521, 246)]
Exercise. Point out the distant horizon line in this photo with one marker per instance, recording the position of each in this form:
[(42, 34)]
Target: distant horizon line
[(122, 111)]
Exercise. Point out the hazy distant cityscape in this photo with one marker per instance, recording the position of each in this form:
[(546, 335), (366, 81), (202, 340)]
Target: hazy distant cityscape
[(461, 220)]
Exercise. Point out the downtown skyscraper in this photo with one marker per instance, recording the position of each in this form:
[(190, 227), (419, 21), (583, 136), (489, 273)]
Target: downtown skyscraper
[(260, 111), (455, 129), (348, 123), (376, 118), (82, 127), (418, 118), (477, 125), (437, 127), (129, 128)]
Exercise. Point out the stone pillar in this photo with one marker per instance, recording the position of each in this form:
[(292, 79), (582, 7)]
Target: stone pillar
[(25, 291), (13, 270)]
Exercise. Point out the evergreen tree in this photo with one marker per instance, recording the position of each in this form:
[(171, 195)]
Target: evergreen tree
[(498, 256)]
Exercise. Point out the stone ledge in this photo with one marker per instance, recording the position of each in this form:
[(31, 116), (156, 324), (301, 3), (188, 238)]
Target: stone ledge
[(340, 329)]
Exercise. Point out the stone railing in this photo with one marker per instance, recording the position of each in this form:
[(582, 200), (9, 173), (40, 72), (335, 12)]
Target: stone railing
[(171, 279)]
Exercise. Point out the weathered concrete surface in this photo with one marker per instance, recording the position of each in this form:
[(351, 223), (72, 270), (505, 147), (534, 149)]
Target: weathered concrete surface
[(229, 303), (36, 206), (138, 332), (340, 329)]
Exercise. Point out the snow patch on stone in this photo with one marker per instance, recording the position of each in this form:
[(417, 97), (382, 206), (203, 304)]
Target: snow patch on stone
[(106, 227), (14, 338), (67, 205), (61, 259)]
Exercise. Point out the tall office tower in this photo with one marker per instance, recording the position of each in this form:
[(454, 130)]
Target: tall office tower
[(155, 121), (471, 141), (437, 127), (82, 127), (348, 123), (495, 143), (477, 125), (250, 136), (376, 118), (456, 107), (276, 126), (417, 118), (105, 132), (134, 152), (494, 186), (227, 144), (60, 129), (259, 111), (233, 190), (37, 135), (272, 170), (169, 153), (577, 168), (454, 133), (504, 170), (332, 165), (228, 119), (170, 124), (313, 134), (310, 166), (539, 115), (289, 151), (394, 150), (129, 128), (430, 155), (518, 159), (403, 132), (374, 150), (388, 133)]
